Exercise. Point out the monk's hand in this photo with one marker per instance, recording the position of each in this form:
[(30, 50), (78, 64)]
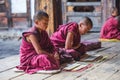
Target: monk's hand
[(77, 46), (56, 56)]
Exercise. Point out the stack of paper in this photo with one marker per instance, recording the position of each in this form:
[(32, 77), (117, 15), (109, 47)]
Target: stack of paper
[(92, 58), (74, 67)]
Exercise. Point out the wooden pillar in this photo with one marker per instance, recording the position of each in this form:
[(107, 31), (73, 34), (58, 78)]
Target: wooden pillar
[(57, 13), (106, 7), (64, 11), (104, 10), (8, 10), (47, 6), (29, 13), (110, 4), (117, 3)]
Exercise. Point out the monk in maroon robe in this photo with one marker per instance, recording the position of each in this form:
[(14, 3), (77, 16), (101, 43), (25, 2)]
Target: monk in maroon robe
[(111, 29)]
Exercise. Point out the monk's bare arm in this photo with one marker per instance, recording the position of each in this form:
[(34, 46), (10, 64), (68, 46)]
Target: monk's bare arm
[(69, 40), (35, 44)]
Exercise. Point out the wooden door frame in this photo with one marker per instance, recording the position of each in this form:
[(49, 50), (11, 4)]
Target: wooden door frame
[(26, 15), (118, 5)]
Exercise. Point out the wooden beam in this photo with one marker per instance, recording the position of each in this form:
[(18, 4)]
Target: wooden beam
[(19, 15), (92, 14), (83, 3)]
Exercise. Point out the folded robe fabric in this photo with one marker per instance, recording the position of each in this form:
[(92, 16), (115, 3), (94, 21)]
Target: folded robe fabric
[(91, 45)]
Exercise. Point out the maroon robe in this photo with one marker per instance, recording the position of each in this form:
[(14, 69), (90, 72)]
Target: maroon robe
[(110, 29), (30, 61), (59, 37)]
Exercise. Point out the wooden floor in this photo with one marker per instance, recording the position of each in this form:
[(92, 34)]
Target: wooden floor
[(108, 69)]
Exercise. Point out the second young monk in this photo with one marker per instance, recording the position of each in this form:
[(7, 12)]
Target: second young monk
[(67, 39)]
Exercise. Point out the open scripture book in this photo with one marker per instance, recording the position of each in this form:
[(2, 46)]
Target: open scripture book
[(77, 66), (91, 58)]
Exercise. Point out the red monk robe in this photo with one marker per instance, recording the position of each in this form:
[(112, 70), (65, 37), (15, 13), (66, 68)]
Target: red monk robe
[(30, 61), (111, 29), (59, 37)]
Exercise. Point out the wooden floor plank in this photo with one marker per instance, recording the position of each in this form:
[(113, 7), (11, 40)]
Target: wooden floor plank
[(115, 76), (90, 36), (109, 44), (7, 75), (8, 63), (104, 71), (64, 76), (32, 77), (73, 75)]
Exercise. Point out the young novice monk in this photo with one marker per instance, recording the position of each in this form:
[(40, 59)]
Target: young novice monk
[(111, 28), (67, 39), (36, 50)]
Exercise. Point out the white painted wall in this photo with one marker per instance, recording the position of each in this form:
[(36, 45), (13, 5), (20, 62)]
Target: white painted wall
[(32, 8), (19, 6)]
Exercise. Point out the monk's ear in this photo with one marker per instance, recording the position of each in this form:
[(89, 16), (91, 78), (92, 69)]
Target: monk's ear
[(80, 25), (36, 22)]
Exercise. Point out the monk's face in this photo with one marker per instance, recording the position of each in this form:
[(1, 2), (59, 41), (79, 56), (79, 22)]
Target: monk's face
[(83, 28), (42, 24)]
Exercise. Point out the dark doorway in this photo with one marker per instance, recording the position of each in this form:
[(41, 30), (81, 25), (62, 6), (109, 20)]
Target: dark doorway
[(118, 5)]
